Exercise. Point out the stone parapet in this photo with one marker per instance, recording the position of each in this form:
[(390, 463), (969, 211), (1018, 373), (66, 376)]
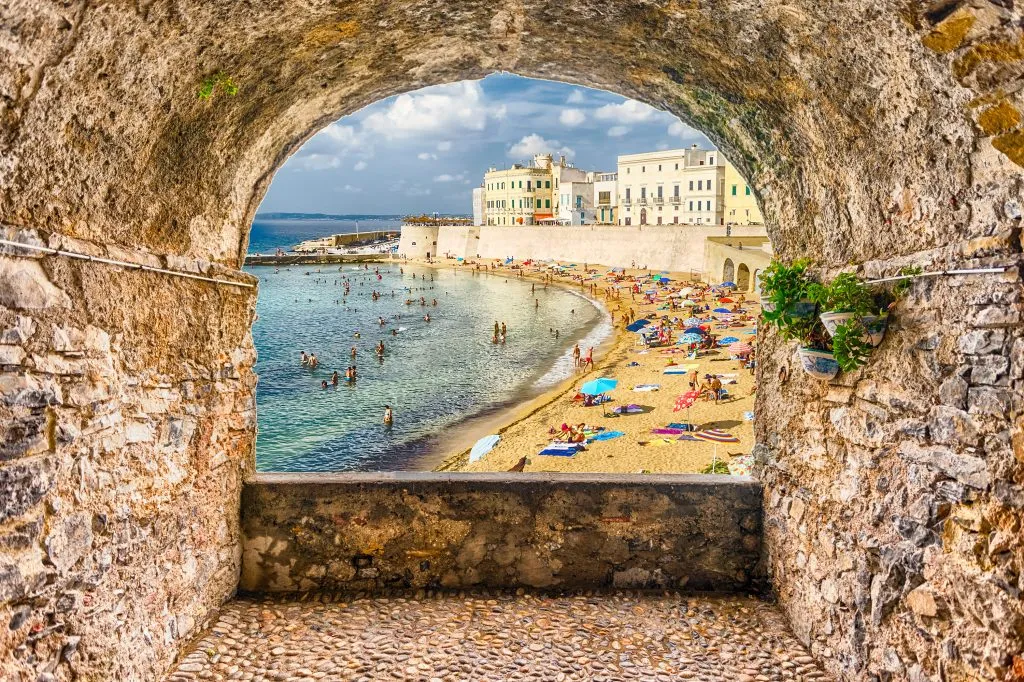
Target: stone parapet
[(371, 531)]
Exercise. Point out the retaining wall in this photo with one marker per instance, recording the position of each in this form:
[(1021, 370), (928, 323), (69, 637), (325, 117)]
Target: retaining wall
[(367, 531)]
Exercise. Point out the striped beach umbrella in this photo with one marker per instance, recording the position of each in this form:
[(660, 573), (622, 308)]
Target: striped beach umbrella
[(716, 436), (686, 400), (690, 338), (740, 348), (692, 322)]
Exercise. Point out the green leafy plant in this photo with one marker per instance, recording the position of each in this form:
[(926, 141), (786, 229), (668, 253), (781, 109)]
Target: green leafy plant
[(900, 289), (218, 82), (847, 293), (785, 289), (716, 467), (850, 345)]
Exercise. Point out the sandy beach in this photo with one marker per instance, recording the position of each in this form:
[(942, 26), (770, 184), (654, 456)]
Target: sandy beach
[(530, 428)]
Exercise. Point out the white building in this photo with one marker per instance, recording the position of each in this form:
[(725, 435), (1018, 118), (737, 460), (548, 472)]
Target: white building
[(576, 203), (479, 207), (676, 186), (605, 198)]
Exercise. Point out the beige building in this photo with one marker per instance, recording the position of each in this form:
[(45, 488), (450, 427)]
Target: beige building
[(520, 195), (677, 186), (740, 205), (605, 198)]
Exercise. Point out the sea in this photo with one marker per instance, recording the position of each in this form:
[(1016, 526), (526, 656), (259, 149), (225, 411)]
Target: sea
[(439, 377)]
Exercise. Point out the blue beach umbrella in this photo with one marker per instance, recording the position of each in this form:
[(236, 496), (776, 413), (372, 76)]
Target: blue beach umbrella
[(694, 330), (727, 284), (727, 340), (687, 339), (638, 325), (598, 386), (722, 310), (693, 321)]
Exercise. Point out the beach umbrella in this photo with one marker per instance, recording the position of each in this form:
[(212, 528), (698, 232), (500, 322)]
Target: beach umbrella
[(722, 310), (598, 386), (686, 401), (728, 284), (716, 436), (725, 299), (690, 303), (727, 340), (741, 348), (692, 321), (638, 325), (694, 330), (690, 338)]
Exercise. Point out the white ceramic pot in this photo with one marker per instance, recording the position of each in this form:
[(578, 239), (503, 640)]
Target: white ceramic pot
[(875, 326), (833, 320), (819, 364)]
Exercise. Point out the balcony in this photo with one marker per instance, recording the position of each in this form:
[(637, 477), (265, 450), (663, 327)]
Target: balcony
[(626, 201), (676, 200), (659, 200), (642, 201)]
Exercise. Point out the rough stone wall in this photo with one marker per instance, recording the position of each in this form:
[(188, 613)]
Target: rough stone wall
[(870, 129), (126, 425), (365, 532)]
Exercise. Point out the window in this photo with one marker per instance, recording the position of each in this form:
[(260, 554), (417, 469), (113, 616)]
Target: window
[(675, 220), (675, 191), (711, 161), (547, 184), (581, 216), (579, 201), (627, 193), (604, 197), (659, 167), (643, 169), (702, 163), (628, 221), (691, 205), (627, 173), (691, 185), (734, 190), (677, 166), (527, 185), (659, 220), (659, 191), (709, 205), (748, 190)]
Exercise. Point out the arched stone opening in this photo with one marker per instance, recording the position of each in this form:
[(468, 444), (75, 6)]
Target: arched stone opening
[(728, 271), (128, 396), (743, 277)]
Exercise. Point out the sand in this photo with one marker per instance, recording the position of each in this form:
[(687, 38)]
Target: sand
[(526, 430)]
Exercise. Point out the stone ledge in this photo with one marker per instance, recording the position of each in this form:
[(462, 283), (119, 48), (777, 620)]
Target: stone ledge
[(408, 529)]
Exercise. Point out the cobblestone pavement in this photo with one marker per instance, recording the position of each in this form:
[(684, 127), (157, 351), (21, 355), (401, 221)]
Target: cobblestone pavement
[(500, 636)]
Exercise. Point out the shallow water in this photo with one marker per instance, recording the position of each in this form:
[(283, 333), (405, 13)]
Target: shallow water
[(434, 374)]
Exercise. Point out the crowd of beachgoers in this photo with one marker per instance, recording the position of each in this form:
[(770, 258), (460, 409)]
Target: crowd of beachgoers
[(674, 392)]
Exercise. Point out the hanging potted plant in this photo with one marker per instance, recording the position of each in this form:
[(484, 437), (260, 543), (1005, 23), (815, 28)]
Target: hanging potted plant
[(784, 298), (846, 300), (816, 353)]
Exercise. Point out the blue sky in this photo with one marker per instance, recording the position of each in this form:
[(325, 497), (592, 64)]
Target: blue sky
[(426, 150)]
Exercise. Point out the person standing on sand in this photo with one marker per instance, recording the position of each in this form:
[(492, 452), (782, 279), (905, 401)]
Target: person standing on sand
[(576, 356), (588, 362)]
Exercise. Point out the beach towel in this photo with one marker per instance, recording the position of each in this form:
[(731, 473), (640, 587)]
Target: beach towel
[(658, 442), (608, 435), (482, 447), (628, 409), (677, 369), (687, 436), (557, 449), (667, 432), (682, 426), (741, 465), (646, 387)]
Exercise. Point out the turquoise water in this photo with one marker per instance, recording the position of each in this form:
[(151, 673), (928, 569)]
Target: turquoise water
[(434, 374)]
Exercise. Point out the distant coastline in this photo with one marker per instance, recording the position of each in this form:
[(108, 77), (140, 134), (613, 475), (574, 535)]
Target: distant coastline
[(284, 215)]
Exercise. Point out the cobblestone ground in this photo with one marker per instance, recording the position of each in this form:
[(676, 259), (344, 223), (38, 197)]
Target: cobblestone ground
[(500, 636)]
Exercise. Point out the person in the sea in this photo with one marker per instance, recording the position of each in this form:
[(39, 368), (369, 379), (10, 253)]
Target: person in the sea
[(380, 349), (352, 353), (496, 328), (305, 359), (334, 378), (556, 334), (323, 384), (389, 417), (313, 362), (504, 330), (426, 318)]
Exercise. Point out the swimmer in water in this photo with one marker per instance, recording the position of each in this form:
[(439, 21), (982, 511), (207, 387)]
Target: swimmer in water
[(353, 353), (323, 384), (334, 378), (426, 318), (388, 416)]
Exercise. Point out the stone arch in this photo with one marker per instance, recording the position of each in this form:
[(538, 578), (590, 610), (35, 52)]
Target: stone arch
[(742, 277), (728, 271), (109, 150)]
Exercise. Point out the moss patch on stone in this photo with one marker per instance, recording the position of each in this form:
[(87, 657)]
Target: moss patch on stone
[(1011, 144), (950, 33), (1001, 118)]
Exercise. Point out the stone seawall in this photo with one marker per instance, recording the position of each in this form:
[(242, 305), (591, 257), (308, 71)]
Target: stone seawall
[(368, 531), (676, 248)]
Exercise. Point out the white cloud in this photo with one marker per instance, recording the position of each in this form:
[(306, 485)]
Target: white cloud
[(535, 144), (446, 177), (426, 156), (417, 192), (317, 162), (679, 129), (360, 165), (444, 109), (444, 146), (629, 111), (350, 188), (571, 117), (662, 146), (618, 131), (575, 97)]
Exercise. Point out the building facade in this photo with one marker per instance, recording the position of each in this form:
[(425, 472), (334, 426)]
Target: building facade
[(605, 198), (576, 203), (740, 204), (671, 187), (520, 195), (479, 207)]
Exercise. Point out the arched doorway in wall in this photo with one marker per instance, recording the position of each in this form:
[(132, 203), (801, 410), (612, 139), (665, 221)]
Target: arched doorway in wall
[(728, 271), (743, 277)]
